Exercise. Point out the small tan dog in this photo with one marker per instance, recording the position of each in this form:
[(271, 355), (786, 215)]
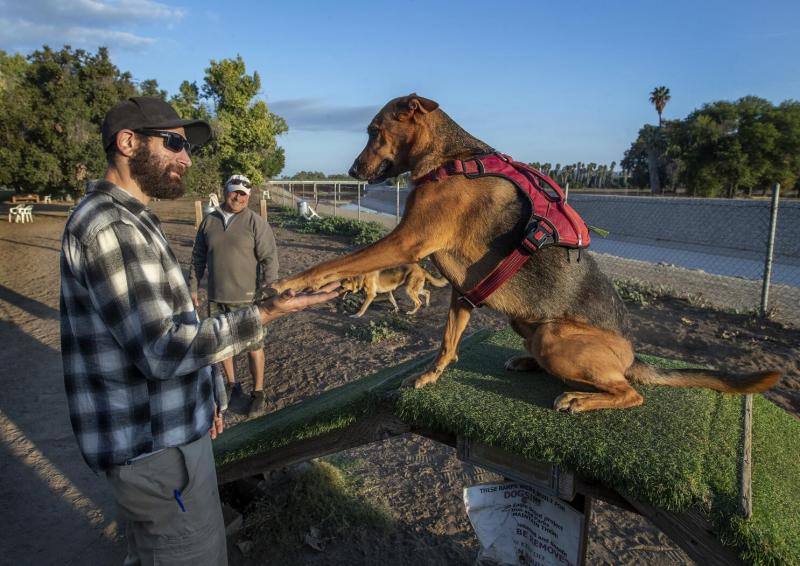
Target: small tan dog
[(411, 275)]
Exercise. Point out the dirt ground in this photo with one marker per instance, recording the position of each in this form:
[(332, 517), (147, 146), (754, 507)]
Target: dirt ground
[(63, 513)]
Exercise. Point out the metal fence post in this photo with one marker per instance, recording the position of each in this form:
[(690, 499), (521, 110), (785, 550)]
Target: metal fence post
[(397, 206), (334, 197), (773, 221), (358, 192)]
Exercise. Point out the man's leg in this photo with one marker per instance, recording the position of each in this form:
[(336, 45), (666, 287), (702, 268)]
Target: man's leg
[(257, 370), (230, 373), (228, 368), (170, 504)]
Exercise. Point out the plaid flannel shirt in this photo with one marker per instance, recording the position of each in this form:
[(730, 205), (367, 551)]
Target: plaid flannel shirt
[(137, 361)]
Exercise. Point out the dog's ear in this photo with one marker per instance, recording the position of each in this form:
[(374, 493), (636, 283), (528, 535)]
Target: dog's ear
[(411, 104)]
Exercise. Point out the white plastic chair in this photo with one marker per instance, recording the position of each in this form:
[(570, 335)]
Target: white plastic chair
[(20, 213), (213, 200), (14, 214)]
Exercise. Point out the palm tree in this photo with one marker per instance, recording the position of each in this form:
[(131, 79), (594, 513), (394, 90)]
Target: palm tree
[(659, 98)]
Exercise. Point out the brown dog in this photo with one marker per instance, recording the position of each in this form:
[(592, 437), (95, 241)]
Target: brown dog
[(567, 311), (411, 277)]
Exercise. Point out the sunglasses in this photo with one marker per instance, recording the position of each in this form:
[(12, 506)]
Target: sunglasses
[(242, 182), (172, 141)]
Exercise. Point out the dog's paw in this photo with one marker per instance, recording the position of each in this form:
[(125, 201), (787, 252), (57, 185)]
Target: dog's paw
[(522, 362), (357, 315), (570, 402), (412, 312), (279, 286), (420, 381)]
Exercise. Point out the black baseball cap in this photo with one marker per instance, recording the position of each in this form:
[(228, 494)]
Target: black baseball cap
[(154, 113)]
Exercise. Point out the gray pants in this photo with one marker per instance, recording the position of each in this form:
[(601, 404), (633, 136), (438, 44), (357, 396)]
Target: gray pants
[(170, 505)]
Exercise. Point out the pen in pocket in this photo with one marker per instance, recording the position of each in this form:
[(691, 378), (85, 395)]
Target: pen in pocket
[(179, 500)]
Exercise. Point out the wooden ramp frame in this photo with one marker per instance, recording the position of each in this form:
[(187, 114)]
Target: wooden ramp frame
[(677, 478)]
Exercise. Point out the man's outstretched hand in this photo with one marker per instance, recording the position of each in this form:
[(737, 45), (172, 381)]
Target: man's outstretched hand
[(290, 301)]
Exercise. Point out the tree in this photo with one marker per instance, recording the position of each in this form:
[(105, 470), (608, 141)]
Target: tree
[(149, 87), (50, 116), (245, 130), (659, 98)]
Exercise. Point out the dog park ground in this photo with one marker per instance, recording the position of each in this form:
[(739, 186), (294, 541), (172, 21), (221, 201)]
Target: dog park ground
[(406, 491)]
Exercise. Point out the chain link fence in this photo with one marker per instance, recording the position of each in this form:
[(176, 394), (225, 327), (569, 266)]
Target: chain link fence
[(711, 249)]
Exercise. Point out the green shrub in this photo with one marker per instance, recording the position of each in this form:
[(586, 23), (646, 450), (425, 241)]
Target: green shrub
[(372, 332)]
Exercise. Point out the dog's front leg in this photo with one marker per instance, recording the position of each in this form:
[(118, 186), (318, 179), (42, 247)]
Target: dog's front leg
[(457, 320), (367, 302), (406, 244)]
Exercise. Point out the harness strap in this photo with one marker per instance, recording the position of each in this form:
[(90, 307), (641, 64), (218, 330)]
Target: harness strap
[(492, 282), (541, 231)]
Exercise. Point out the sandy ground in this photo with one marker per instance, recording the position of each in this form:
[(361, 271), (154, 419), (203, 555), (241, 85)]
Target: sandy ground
[(63, 513)]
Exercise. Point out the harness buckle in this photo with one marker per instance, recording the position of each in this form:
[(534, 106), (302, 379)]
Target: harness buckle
[(538, 234)]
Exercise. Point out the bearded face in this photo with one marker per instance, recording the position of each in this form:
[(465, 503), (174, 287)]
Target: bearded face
[(155, 175)]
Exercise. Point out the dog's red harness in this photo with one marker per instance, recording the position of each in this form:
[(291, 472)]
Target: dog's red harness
[(552, 223)]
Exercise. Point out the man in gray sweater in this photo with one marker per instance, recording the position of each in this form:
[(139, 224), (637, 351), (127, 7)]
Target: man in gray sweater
[(237, 248)]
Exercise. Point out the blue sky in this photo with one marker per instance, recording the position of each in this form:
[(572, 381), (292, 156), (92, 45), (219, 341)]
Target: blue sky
[(542, 81)]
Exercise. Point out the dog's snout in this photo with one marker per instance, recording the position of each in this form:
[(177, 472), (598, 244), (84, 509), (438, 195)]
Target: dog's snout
[(354, 169)]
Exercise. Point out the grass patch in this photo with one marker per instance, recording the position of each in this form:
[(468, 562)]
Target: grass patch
[(322, 504), (372, 332), (639, 293), (361, 233), (680, 450), (377, 331)]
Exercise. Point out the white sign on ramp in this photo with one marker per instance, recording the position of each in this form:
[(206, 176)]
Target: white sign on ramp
[(517, 524)]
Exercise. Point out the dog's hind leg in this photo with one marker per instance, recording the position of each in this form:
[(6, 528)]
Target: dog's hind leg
[(392, 300), (457, 319), (412, 292), (427, 294), (523, 362), (581, 354)]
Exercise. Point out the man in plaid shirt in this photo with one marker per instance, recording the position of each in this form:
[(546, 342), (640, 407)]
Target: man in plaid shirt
[(137, 360)]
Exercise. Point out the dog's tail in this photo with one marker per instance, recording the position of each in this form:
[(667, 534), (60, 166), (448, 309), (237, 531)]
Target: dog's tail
[(435, 281), (710, 379)]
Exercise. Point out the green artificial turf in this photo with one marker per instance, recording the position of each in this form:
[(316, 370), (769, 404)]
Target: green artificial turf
[(681, 449), (333, 410)]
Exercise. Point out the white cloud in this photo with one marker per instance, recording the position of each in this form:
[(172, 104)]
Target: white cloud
[(81, 23), (311, 114)]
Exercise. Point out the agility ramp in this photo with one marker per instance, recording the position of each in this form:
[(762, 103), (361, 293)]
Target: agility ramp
[(675, 459)]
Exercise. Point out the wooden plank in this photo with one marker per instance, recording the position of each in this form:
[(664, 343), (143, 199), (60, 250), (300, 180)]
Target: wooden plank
[(544, 476), (692, 532), (375, 427), (745, 470), (198, 213), (264, 209), (599, 491)]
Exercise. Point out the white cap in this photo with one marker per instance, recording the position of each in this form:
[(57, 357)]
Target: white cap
[(238, 183)]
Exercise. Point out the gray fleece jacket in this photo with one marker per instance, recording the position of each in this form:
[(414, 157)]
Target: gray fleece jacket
[(240, 258)]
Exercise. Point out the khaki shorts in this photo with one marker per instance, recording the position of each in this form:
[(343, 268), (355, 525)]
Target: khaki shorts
[(170, 505), (215, 309)]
